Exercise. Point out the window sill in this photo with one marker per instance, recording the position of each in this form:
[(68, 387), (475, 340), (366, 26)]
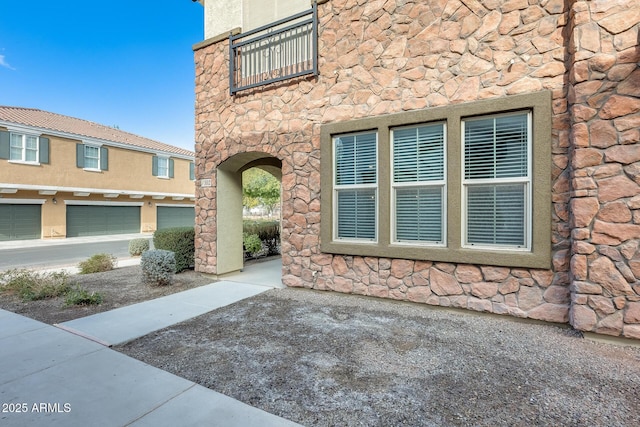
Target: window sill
[(20, 162), (163, 177), (442, 254), (92, 170)]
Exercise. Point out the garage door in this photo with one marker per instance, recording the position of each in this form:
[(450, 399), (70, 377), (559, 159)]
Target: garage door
[(18, 222), (100, 220), (176, 217)]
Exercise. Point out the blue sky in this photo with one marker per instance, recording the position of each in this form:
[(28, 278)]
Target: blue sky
[(115, 62)]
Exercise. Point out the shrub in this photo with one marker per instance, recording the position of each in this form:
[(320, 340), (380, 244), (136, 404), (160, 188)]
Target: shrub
[(97, 263), (269, 233), (179, 240), (30, 285), (80, 296), (158, 266), (252, 243), (137, 246)]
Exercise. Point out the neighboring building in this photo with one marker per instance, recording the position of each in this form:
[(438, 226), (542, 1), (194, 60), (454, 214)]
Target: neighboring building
[(473, 154), (66, 177)]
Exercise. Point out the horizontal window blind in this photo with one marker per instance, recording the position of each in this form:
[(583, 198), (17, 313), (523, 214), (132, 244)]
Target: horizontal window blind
[(496, 214), (418, 181), (356, 159), (419, 214), (356, 214), (496, 147), (418, 154)]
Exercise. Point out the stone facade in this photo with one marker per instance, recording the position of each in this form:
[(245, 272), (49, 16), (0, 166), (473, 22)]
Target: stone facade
[(386, 56)]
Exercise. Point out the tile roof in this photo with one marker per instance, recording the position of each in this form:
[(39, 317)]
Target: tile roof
[(45, 120)]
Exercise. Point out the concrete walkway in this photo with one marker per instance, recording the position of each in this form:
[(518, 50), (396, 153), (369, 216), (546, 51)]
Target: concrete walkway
[(49, 376)]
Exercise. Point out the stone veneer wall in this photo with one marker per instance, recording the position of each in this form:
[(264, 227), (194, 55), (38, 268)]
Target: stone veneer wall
[(384, 56), (605, 166)]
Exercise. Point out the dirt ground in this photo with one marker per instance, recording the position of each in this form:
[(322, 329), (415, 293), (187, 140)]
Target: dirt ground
[(328, 359), (119, 287)]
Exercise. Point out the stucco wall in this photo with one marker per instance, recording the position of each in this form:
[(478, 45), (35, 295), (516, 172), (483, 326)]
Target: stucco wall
[(382, 56)]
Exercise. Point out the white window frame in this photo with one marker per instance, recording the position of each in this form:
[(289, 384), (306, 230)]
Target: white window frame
[(395, 186), (337, 188), (85, 157), (165, 160), (526, 181), (23, 148)]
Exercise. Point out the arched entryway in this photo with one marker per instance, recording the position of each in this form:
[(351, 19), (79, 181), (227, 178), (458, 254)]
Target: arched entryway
[(230, 254)]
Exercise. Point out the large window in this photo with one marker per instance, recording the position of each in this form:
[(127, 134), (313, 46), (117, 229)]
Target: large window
[(162, 167), (355, 186), (465, 183), (24, 148), (497, 181), (419, 184), (92, 157)]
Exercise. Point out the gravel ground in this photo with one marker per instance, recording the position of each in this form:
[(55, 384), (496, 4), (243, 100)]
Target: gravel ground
[(328, 359)]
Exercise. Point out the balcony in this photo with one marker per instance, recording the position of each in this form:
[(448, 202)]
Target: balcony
[(279, 51)]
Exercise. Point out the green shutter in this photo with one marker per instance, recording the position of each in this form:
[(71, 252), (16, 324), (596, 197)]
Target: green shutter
[(192, 171), (104, 159), (170, 168), (80, 155), (154, 166), (44, 150), (5, 143)]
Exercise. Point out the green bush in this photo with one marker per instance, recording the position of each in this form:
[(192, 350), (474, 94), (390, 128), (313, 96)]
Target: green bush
[(252, 243), (268, 231), (80, 296), (158, 266), (31, 285), (137, 246), (179, 240), (97, 263)]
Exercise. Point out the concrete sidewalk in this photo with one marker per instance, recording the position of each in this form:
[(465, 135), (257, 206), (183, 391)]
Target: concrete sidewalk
[(49, 376)]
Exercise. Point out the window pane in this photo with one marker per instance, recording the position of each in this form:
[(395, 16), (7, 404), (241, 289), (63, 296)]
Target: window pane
[(356, 159), (31, 149), (419, 214), (356, 214), (496, 214), (16, 147), (163, 167), (496, 147), (91, 157), (418, 154)]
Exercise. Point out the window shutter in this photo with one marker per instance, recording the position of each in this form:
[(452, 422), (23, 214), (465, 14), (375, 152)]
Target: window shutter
[(154, 166), (80, 155), (5, 144), (192, 171), (170, 168), (44, 150), (104, 158)]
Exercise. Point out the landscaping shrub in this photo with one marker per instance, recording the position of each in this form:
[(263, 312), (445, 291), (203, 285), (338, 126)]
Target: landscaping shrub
[(179, 240), (31, 286), (137, 246), (268, 231), (80, 296), (158, 266), (252, 243), (97, 263)]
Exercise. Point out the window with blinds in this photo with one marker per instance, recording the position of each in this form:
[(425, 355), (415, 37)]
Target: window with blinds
[(355, 186), (419, 184), (497, 180)]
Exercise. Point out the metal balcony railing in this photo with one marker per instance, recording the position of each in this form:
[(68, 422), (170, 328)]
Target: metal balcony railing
[(279, 51)]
